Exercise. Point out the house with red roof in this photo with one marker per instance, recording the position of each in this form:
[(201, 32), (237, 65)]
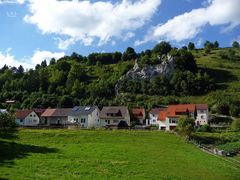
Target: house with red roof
[(153, 116), (138, 115), (27, 118), (58, 116), (168, 118)]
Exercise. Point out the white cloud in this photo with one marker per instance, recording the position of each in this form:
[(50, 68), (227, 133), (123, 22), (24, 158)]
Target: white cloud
[(188, 25), (40, 56), (7, 58), (89, 22), (12, 1)]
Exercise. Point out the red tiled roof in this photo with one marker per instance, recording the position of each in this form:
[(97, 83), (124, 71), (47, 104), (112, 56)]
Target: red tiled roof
[(138, 112), (48, 113), (21, 114), (60, 112), (201, 106), (172, 110)]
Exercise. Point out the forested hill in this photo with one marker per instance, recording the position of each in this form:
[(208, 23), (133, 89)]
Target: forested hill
[(200, 75)]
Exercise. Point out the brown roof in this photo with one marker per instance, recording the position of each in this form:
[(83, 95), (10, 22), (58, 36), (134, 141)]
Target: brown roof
[(138, 112), (21, 114), (59, 112), (201, 106), (121, 111), (39, 111)]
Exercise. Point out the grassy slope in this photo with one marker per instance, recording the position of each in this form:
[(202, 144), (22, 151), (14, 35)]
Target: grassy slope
[(61, 154)]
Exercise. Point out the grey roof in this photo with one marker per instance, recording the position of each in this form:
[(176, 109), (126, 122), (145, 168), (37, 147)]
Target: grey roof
[(82, 110), (107, 110)]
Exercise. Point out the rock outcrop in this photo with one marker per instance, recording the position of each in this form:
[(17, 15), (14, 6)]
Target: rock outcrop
[(147, 72)]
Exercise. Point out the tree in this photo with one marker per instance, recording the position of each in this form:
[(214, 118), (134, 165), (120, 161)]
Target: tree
[(185, 126), (216, 44), (7, 121), (236, 125), (162, 48), (129, 54), (235, 44), (191, 46)]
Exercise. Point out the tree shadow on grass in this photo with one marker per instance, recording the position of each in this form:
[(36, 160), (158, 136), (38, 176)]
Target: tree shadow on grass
[(8, 134), (9, 151)]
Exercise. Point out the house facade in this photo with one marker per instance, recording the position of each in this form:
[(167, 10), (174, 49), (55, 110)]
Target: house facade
[(138, 115), (55, 117), (202, 114), (168, 118), (27, 118), (153, 116), (114, 115), (84, 116)]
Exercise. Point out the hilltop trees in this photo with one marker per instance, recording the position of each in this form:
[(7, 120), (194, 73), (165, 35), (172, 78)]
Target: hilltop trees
[(162, 48), (235, 44), (191, 46)]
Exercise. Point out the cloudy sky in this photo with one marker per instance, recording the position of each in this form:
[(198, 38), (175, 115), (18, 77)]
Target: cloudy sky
[(34, 30)]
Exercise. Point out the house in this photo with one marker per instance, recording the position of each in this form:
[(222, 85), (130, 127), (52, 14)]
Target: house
[(114, 116), (202, 114), (58, 116), (168, 118), (27, 118), (84, 116), (138, 115), (153, 116), (39, 112)]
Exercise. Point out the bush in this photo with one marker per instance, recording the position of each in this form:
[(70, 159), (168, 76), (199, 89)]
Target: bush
[(205, 128), (232, 147), (236, 125)]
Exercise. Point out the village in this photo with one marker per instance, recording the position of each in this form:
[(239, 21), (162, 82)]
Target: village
[(118, 117)]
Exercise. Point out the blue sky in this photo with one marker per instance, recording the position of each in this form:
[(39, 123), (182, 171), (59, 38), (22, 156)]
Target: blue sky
[(34, 30)]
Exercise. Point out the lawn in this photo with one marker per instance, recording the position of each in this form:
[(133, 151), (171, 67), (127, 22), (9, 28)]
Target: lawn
[(85, 154)]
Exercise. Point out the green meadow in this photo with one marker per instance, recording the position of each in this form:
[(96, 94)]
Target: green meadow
[(99, 154)]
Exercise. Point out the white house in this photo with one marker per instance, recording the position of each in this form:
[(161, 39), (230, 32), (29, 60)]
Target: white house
[(84, 116), (168, 118), (153, 116), (27, 118), (202, 114), (115, 116)]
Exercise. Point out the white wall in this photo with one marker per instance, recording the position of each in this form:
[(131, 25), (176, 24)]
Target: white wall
[(202, 117), (31, 120)]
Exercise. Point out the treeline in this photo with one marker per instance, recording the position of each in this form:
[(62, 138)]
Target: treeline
[(81, 80)]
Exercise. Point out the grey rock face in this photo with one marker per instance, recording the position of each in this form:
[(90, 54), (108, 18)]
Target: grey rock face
[(148, 71)]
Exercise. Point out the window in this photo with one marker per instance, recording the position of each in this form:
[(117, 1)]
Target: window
[(34, 120), (21, 120), (34, 115), (202, 117), (83, 120), (115, 121), (30, 115), (75, 119)]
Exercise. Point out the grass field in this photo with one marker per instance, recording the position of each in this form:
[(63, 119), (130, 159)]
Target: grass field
[(63, 154)]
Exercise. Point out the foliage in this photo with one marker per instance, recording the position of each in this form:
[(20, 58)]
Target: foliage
[(185, 126), (191, 46), (235, 44), (236, 125), (162, 48), (7, 121), (233, 147), (205, 128)]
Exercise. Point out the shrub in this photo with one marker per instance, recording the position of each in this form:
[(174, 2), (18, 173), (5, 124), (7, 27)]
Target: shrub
[(205, 128), (236, 125)]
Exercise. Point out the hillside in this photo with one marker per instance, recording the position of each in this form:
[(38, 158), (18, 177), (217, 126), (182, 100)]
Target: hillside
[(69, 154), (75, 80)]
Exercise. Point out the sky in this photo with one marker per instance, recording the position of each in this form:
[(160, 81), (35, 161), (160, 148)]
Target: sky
[(34, 30)]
